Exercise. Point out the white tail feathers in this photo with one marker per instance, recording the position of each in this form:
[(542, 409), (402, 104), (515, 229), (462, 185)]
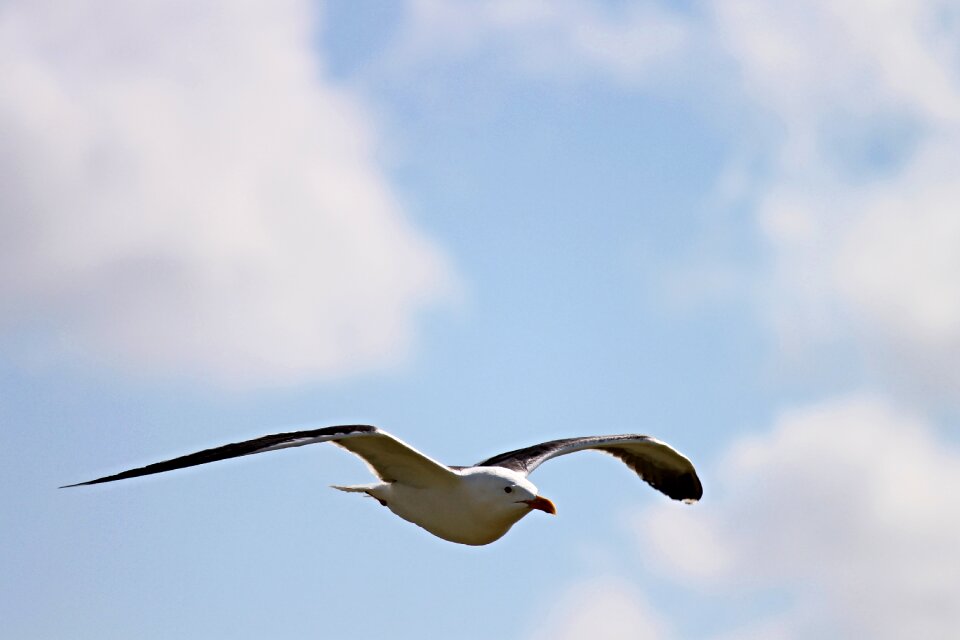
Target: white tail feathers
[(362, 488), (359, 488)]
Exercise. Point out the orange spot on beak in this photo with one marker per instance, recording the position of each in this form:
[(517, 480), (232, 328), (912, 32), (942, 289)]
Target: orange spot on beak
[(542, 504)]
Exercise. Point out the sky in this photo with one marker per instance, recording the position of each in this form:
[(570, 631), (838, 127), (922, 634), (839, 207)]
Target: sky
[(730, 225)]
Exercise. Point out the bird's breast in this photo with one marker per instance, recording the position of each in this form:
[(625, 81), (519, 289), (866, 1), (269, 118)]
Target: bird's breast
[(448, 512)]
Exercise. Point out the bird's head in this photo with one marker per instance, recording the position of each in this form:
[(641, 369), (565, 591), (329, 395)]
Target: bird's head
[(506, 491)]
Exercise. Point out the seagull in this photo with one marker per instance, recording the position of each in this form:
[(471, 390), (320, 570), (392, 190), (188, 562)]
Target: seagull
[(473, 505)]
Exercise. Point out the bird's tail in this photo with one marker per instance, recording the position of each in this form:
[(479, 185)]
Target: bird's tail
[(362, 488), (358, 488)]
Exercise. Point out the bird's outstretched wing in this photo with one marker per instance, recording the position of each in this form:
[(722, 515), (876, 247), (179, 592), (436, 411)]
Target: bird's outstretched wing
[(656, 463), (389, 458)]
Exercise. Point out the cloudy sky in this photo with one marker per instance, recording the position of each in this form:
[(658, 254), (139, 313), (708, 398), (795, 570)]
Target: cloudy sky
[(729, 224)]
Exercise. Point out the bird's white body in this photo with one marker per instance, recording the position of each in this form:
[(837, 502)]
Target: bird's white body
[(473, 509)]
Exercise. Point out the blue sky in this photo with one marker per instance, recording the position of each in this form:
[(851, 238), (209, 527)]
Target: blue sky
[(479, 226)]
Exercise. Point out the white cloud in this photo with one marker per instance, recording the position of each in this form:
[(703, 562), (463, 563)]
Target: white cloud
[(185, 190), (875, 263), (848, 506), (858, 208), (854, 111), (601, 609), (805, 58), (561, 39)]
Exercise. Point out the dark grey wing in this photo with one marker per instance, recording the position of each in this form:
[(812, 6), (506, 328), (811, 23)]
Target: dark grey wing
[(388, 457), (658, 464)]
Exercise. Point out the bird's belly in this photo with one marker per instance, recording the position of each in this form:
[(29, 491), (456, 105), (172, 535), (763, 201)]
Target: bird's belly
[(446, 515)]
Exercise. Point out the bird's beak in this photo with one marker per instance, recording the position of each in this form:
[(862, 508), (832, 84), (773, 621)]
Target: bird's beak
[(542, 504)]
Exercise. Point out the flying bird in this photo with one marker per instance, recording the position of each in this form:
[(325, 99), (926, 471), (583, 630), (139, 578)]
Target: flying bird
[(473, 505)]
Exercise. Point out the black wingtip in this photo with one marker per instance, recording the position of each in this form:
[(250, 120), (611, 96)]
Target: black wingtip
[(79, 484), (119, 476), (686, 488), (233, 450)]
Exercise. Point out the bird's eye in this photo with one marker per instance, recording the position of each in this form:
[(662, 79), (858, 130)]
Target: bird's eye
[(508, 489)]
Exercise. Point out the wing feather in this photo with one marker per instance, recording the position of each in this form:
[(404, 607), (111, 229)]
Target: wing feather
[(388, 457), (658, 464)]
